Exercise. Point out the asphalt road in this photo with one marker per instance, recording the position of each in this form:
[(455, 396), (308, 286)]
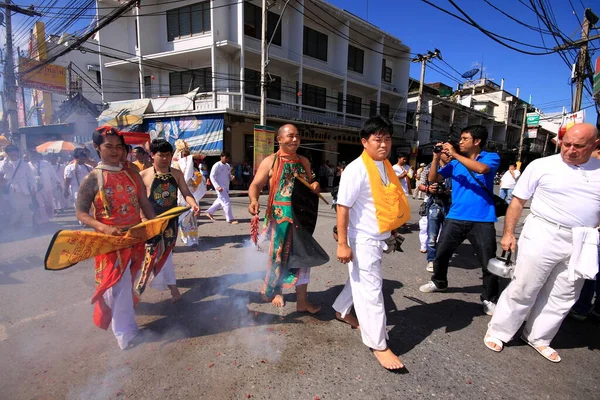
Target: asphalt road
[(221, 342)]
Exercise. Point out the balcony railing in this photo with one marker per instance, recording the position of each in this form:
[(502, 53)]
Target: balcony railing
[(291, 112)]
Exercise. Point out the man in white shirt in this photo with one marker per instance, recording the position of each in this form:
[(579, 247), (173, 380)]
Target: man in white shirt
[(220, 176), (558, 246), (362, 235), (19, 186), (404, 172), (75, 172), (45, 179), (60, 201), (508, 182)]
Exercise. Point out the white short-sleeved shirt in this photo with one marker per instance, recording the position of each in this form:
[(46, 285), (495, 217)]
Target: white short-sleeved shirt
[(220, 175), (355, 193), (76, 172), (507, 181), (399, 170), (563, 193)]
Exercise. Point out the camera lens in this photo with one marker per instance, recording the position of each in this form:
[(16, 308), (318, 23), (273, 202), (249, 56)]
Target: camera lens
[(437, 148)]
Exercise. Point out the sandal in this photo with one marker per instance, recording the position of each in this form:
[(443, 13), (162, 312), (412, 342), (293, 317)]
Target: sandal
[(490, 339), (546, 353)]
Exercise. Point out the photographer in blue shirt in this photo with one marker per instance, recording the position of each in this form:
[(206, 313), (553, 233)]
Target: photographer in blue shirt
[(472, 214)]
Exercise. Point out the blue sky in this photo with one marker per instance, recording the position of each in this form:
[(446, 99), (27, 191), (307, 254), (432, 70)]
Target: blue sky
[(422, 27)]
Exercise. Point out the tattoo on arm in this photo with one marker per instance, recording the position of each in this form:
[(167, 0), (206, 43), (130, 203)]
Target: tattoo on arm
[(87, 193)]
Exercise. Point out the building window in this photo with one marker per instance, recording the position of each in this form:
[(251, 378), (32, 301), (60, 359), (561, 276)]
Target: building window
[(353, 105), (373, 108), (386, 73), (315, 44), (188, 21), (252, 84), (185, 81), (148, 86), (135, 28), (314, 96), (356, 59), (384, 110), (253, 23), (99, 79), (340, 103)]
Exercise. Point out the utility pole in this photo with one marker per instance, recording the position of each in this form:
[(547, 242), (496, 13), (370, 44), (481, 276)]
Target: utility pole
[(10, 84), (581, 70), (263, 66), (423, 59), (523, 125)]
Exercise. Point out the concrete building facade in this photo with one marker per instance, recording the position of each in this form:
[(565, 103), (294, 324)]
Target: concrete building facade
[(328, 70)]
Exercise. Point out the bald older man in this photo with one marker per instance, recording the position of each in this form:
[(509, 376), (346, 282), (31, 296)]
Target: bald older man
[(279, 170), (558, 246)]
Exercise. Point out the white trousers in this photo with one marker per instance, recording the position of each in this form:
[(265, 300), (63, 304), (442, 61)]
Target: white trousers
[(120, 300), (45, 206), (223, 201), (303, 276), (364, 290), (60, 202), (20, 204), (540, 286), (166, 276), (423, 232)]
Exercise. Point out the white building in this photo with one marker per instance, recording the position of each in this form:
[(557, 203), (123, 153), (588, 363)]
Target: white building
[(329, 71), (479, 102)]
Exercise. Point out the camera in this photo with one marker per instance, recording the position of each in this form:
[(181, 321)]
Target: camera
[(437, 148), (441, 187)]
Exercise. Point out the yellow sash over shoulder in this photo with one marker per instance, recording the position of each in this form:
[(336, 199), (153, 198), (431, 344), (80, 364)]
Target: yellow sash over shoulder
[(391, 205)]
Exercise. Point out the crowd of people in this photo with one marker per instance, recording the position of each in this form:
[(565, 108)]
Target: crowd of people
[(557, 248)]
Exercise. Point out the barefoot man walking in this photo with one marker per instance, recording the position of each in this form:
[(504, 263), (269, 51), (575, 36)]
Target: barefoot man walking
[(370, 204), (279, 169), (162, 184)]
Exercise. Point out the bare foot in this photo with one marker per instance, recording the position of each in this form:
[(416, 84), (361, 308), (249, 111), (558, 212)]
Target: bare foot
[(307, 306), (234, 222), (175, 295), (278, 300), (210, 217), (388, 359), (349, 319)]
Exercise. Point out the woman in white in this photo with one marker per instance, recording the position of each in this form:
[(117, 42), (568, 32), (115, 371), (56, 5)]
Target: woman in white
[(184, 161)]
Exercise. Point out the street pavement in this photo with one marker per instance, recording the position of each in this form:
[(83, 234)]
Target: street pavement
[(221, 342)]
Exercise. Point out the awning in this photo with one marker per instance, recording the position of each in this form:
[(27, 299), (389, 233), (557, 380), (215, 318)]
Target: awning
[(136, 138), (52, 129), (203, 133), (126, 115)]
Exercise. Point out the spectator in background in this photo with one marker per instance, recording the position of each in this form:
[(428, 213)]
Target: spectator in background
[(220, 176), (246, 174), (437, 202), (75, 172), (404, 172), (19, 186), (45, 179), (324, 173), (472, 214), (60, 201), (508, 182), (418, 193), (141, 158)]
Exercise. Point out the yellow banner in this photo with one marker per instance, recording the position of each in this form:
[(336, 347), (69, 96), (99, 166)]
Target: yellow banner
[(50, 77), (264, 143), (67, 248)]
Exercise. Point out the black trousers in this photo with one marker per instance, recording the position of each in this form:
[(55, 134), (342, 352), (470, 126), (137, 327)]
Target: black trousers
[(482, 236)]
